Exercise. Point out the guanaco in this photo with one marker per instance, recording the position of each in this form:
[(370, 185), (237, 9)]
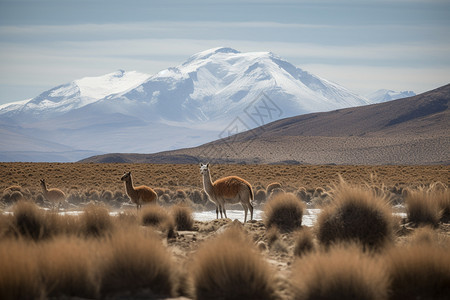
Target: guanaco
[(140, 194), (231, 189), (53, 195)]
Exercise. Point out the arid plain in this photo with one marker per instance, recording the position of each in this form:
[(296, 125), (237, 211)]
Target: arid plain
[(277, 252)]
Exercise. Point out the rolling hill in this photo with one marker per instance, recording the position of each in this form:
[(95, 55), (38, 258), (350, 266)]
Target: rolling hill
[(414, 130)]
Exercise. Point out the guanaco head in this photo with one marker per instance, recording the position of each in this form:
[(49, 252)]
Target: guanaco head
[(43, 185), (204, 168), (126, 176)]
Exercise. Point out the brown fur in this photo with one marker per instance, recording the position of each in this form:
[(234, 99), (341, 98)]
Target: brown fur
[(231, 189), (140, 194), (52, 195)]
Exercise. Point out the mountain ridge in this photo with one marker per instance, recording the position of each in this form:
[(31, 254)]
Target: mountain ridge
[(412, 130)]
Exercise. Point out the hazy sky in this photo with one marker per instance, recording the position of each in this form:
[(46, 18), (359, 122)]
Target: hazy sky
[(363, 45)]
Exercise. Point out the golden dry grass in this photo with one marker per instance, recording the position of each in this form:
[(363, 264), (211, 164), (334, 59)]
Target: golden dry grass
[(344, 272), (421, 271), (95, 241), (356, 215), (229, 267), (284, 211)]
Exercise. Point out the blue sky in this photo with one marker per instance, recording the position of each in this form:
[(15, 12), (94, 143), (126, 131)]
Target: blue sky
[(363, 45)]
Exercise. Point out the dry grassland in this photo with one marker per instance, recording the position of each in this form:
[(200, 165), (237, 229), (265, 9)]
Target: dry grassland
[(356, 250)]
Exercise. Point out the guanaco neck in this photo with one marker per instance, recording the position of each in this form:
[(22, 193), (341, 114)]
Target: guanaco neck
[(130, 188), (207, 183), (44, 188)]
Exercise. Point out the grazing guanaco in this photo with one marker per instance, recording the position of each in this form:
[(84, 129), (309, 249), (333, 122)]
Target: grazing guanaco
[(140, 194), (53, 195), (231, 189)]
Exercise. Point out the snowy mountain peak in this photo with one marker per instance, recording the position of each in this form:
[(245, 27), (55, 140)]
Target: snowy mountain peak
[(210, 52), (182, 106)]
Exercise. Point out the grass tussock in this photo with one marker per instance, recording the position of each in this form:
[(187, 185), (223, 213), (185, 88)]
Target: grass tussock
[(345, 272), (153, 215), (422, 209), (419, 272), (135, 262), (182, 215), (356, 215), (304, 242), (95, 221), (228, 267), (285, 211), (66, 267), (29, 220), (19, 275)]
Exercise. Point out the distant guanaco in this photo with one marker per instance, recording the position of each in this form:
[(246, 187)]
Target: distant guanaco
[(231, 189), (140, 194), (53, 195)]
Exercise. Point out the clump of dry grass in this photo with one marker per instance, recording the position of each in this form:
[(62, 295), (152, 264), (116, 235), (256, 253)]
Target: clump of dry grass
[(153, 215), (228, 267), (260, 196), (422, 208), (182, 215), (285, 211), (345, 272), (29, 220), (19, 275), (133, 262), (358, 215), (421, 271), (304, 242), (66, 268), (96, 221), (272, 186)]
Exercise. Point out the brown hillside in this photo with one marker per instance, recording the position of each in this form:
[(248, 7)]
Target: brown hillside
[(414, 130)]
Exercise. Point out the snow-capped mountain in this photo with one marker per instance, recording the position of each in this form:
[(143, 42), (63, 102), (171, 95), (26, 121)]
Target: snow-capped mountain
[(213, 94), (74, 95), (384, 95)]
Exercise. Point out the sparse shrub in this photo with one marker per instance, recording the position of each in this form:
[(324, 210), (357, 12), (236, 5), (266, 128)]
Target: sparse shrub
[(356, 214), (153, 215), (260, 196), (66, 267), (318, 191), (345, 272), (275, 192), (272, 186), (180, 194), (29, 220), (441, 194), (284, 211), (16, 196), (424, 235), (228, 267), (76, 197), (302, 194), (196, 197), (96, 221), (19, 275), (107, 195), (182, 216), (132, 262), (165, 199), (422, 209), (419, 272), (304, 242), (159, 192)]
